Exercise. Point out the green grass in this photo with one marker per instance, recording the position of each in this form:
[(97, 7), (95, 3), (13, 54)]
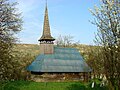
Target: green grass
[(27, 85)]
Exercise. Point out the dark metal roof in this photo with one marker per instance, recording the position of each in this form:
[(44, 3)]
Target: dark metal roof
[(63, 60)]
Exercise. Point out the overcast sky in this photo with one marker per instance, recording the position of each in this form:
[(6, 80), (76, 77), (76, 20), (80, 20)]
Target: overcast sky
[(66, 17)]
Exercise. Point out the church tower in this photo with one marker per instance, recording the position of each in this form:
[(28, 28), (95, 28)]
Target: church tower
[(46, 40)]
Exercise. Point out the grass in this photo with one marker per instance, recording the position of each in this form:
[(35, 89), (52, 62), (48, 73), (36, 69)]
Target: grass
[(32, 49), (28, 85)]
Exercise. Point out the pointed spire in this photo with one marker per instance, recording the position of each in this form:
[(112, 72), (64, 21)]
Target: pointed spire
[(46, 36)]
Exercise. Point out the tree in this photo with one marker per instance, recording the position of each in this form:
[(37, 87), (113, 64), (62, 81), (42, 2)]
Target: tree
[(107, 19), (10, 24), (64, 41), (95, 60)]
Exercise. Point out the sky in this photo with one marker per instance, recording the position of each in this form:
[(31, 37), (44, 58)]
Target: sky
[(66, 17)]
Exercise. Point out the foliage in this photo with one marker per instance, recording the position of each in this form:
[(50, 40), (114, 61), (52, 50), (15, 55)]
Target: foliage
[(10, 24), (107, 18), (95, 61), (23, 55)]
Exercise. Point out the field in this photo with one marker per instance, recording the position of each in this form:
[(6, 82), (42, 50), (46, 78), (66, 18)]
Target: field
[(27, 85)]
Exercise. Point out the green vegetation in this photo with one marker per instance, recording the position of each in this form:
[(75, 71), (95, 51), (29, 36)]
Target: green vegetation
[(27, 85), (10, 25), (107, 20)]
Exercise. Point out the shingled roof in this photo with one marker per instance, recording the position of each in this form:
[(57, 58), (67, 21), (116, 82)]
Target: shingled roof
[(46, 28), (63, 60)]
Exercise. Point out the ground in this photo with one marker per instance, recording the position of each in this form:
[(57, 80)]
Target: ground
[(29, 85)]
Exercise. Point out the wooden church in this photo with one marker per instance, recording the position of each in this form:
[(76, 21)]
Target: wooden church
[(53, 59)]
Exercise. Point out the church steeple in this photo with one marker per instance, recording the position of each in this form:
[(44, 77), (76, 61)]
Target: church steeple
[(46, 36), (46, 41)]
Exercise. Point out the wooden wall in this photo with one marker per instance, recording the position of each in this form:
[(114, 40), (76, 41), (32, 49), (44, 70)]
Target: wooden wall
[(46, 48)]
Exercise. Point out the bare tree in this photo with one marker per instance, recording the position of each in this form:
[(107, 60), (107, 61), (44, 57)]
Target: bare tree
[(65, 41)]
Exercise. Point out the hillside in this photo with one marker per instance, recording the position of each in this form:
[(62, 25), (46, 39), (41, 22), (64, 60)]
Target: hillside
[(34, 49)]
